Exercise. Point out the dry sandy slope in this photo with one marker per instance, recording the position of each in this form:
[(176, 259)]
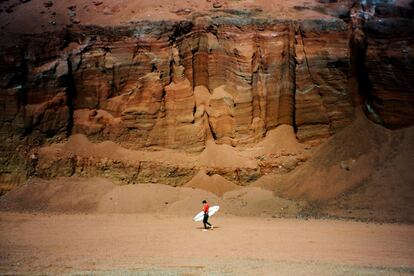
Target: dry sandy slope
[(97, 195), (160, 244), (388, 192), (279, 140), (364, 171), (216, 184)]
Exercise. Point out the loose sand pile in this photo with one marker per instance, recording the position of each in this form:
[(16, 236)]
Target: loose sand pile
[(95, 195), (215, 184), (154, 198), (260, 202), (282, 139), (364, 171), (225, 156), (388, 191)]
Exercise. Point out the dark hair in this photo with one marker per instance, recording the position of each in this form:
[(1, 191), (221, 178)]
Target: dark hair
[(204, 201)]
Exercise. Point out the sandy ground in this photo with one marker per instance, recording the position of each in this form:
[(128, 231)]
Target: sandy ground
[(164, 244)]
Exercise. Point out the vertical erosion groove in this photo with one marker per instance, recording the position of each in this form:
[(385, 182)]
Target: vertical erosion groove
[(70, 96), (359, 82), (22, 95), (294, 64)]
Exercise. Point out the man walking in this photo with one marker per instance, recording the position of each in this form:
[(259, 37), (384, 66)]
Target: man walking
[(206, 207)]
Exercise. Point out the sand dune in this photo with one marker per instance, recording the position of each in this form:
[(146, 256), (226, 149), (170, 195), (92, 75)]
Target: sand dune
[(215, 184)]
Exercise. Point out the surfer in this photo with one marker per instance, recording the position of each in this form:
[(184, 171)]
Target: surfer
[(205, 218)]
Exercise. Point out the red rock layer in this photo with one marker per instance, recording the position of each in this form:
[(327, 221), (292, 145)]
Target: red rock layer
[(176, 85), (322, 100)]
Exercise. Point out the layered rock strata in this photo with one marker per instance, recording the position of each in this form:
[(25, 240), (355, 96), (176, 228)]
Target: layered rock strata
[(226, 78), (177, 85)]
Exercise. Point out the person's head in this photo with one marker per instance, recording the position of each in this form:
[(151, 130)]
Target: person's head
[(204, 201)]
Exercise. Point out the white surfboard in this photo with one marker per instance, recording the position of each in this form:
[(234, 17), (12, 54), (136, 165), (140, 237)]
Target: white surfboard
[(211, 211)]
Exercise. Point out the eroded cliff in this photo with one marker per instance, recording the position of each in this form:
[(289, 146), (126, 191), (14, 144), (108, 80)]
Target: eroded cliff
[(230, 76), (176, 84)]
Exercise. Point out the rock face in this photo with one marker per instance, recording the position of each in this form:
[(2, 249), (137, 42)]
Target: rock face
[(382, 42), (322, 100), (34, 88), (231, 78), (176, 85)]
